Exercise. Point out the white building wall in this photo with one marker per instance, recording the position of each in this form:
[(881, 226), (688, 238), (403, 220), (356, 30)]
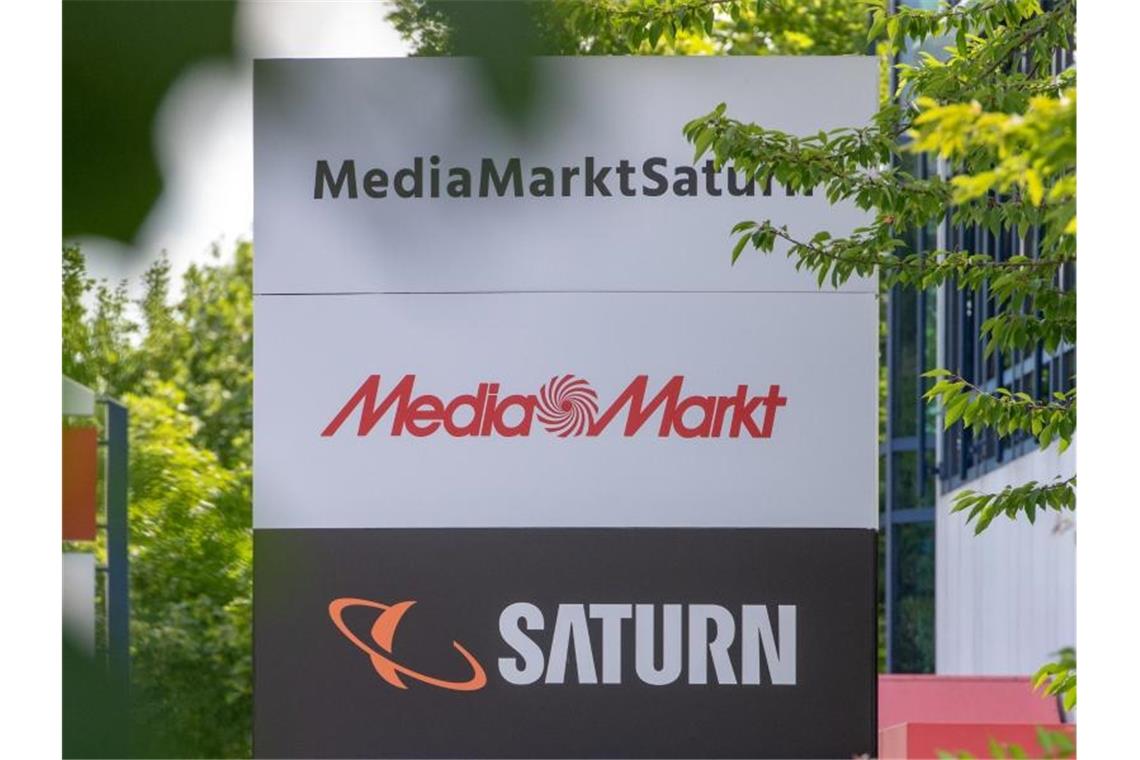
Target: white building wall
[(1005, 600)]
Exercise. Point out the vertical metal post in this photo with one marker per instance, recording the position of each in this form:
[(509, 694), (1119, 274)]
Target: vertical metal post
[(920, 474), (888, 565), (118, 587)]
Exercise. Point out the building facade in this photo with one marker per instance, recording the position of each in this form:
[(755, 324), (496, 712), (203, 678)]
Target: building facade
[(999, 603)]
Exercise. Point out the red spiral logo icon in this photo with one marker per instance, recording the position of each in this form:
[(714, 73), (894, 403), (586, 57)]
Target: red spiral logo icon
[(567, 405)]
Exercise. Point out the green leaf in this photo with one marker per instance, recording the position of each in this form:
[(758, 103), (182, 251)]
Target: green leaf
[(956, 408), (736, 249), (1069, 700), (878, 25), (701, 144)]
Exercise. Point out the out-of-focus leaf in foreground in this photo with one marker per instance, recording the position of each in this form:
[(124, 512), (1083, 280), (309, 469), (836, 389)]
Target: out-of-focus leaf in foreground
[(119, 60), (503, 35)]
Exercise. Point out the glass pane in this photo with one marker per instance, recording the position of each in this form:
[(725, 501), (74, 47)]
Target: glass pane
[(1069, 369), (929, 484), (906, 484), (912, 647), (904, 369), (882, 487)]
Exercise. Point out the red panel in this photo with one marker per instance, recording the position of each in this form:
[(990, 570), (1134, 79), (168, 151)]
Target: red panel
[(962, 699), (80, 475), (925, 740)]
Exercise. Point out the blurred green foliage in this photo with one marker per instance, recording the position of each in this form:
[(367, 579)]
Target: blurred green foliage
[(184, 367), (94, 710), (119, 60)]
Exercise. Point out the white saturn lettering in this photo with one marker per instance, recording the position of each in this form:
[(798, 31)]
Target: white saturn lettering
[(711, 636)]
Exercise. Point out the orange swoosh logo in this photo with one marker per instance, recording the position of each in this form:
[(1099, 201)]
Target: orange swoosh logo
[(384, 631)]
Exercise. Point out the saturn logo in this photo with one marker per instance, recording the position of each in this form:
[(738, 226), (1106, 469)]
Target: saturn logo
[(384, 631)]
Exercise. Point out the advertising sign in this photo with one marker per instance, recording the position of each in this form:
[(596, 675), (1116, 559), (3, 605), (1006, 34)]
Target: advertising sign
[(537, 471), (80, 482)]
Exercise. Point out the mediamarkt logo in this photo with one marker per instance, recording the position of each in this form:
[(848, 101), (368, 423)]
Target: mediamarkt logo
[(565, 406)]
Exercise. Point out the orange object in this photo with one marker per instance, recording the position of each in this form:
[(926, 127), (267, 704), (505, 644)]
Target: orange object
[(80, 475), (384, 631)]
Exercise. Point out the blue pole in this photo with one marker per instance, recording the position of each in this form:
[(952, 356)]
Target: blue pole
[(118, 587)]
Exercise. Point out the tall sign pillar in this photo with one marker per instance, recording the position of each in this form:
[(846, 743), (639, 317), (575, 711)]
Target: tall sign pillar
[(537, 471)]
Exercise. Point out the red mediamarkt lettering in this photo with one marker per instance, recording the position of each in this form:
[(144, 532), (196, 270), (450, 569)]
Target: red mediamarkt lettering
[(565, 406)]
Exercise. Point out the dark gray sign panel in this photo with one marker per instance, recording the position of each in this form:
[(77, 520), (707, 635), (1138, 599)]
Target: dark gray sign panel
[(544, 643)]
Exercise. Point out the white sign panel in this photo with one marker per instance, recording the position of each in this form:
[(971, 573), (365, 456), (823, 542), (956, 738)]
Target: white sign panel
[(398, 177), (619, 204), (713, 451)]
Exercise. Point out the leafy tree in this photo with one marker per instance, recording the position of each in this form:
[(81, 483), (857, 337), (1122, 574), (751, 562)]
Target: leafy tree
[(504, 35), (184, 369), (1003, 124), (992, 111), (609, 27)]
